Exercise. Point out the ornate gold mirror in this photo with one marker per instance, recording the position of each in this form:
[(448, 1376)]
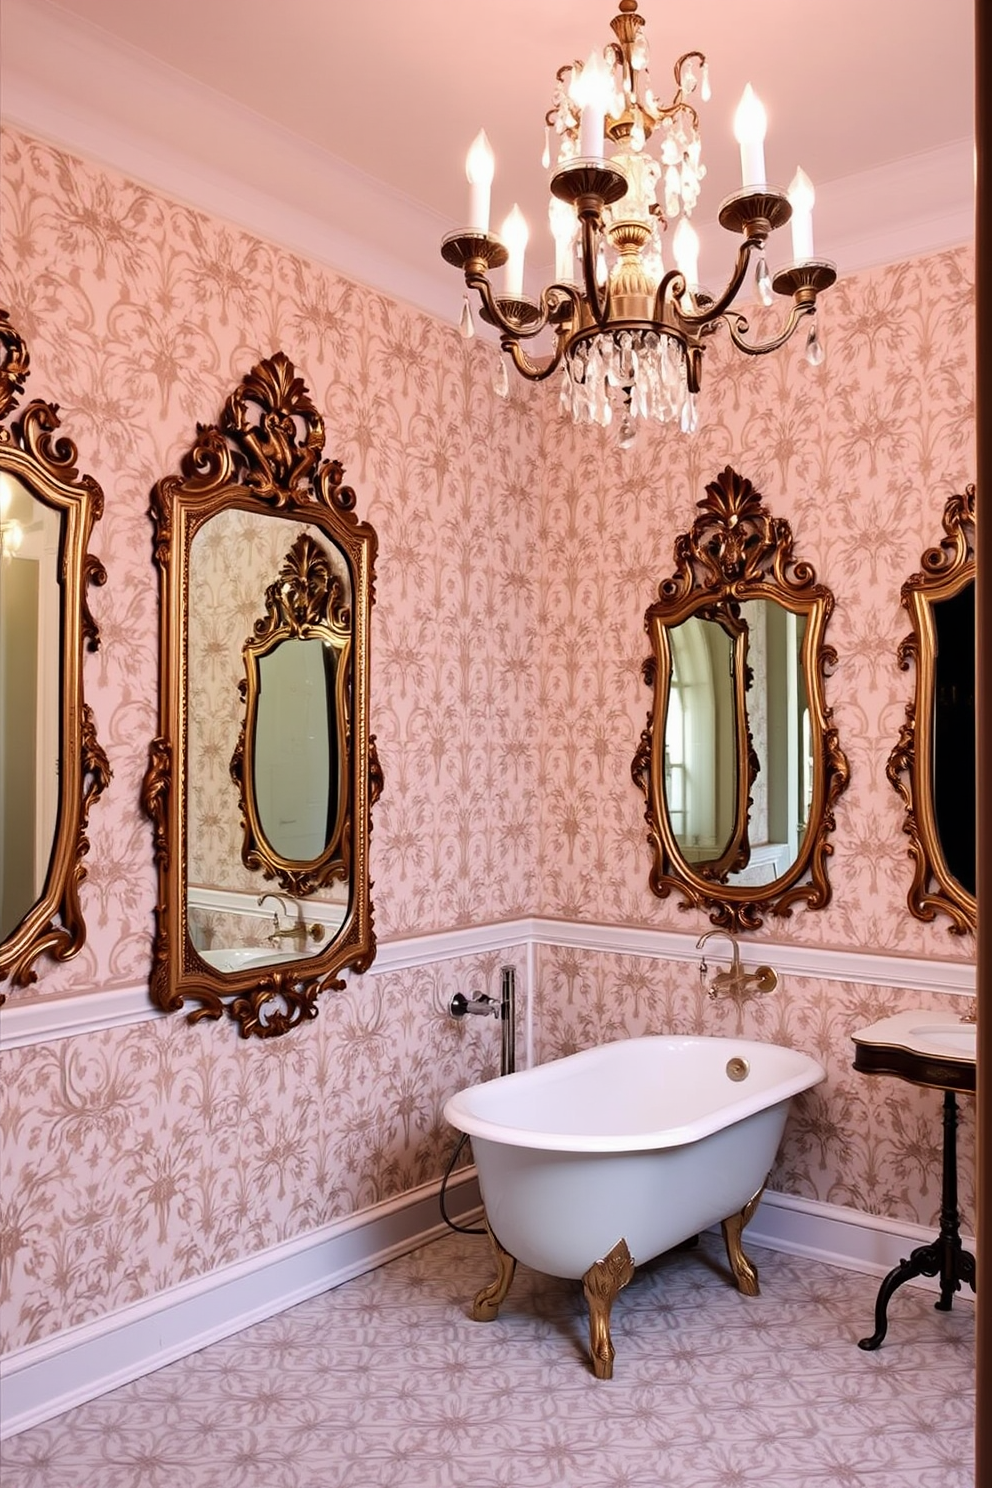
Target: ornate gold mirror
[(261, 782), (739, 762), (292, 753), (52, 767), (933, 763)]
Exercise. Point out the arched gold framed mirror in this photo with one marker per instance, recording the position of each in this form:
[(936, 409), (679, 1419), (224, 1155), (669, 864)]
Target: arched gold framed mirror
[(52, 767), (290, 764), (740, 762), (933, 765), (264, 769)]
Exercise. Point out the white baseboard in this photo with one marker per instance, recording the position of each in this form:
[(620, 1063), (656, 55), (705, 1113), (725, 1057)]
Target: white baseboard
[(48, 1378), (869, 1243), (45, 1379)]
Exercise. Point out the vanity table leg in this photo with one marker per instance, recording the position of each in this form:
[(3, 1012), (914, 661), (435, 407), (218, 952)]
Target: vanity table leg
[(956, 1264), (943, 1257)]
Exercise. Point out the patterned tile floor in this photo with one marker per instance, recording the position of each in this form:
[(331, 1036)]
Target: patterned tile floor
[(387, 1383)]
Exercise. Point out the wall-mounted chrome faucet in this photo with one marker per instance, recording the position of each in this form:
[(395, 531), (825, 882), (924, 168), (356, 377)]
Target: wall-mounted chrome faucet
[(739, 985), (482, 1005), (298, 932)]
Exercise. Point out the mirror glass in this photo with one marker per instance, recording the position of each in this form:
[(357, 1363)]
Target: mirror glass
[(30, 652), (701, 778), (294, 777), (933, 763), (738, 765), (262, 780), (738, 795), (51, 765), (953, 774)]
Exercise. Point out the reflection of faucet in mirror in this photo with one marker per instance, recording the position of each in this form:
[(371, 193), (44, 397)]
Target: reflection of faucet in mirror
[(736, 983), (298, 932)]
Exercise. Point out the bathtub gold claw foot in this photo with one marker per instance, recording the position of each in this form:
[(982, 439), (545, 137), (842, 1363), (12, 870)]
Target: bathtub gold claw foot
[(744, 1269), (601, 1284), (487, 1302)]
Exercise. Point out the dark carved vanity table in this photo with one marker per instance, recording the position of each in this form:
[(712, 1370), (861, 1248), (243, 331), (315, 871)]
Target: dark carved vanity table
[(926, 1048)]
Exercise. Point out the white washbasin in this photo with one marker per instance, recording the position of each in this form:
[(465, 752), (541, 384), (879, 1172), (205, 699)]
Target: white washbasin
[(957, 1039), (243, 958)]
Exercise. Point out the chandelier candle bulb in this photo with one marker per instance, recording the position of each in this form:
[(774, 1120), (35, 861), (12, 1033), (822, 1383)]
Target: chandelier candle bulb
[(592, 90), (480, 165), (750, 123), (562, 220), (514, 233), (685, 247), (801, 199)]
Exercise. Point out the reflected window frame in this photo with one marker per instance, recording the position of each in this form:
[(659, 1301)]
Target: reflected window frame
[(736, 551), (45, 462), (945, 571)]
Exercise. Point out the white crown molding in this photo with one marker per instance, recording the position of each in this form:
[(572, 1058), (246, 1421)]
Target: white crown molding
[(24, 1022), (79, 87), (69, 82)]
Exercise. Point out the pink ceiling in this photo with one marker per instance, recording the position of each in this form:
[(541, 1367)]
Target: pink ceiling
[(398, 88)]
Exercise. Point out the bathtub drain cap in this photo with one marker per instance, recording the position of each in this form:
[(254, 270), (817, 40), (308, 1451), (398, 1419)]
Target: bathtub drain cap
[(738, 1068)]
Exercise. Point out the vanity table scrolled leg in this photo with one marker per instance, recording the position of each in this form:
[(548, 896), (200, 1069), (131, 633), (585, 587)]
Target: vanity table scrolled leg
[(943, 1257)]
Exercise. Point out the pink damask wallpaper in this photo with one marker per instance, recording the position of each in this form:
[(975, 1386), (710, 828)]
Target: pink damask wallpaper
[(517, 556)]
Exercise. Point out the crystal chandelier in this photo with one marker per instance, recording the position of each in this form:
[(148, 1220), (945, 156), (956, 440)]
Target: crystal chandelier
[(628, 330)]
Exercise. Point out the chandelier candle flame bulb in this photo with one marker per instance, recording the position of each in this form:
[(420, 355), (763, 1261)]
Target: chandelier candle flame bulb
[(685, 247), (480, 166), (562, 219), (750, 123), (514, 233), (801, 198), (592, 90)]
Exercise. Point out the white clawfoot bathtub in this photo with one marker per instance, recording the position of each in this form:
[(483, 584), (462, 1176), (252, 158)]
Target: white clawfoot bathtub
[(595, 1163)]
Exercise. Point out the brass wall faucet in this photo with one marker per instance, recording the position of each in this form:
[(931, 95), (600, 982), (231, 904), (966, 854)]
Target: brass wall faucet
[(739, 985), (298, 932)]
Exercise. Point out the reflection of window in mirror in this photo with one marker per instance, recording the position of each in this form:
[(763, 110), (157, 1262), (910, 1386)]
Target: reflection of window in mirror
[(700, 739), (777, 706)]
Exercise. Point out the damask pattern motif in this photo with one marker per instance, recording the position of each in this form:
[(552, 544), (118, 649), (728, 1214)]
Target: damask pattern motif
[(517, 556)]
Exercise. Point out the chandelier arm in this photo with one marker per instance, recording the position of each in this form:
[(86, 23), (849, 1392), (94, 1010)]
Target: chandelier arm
[(737, 325), (534, 371), (679, 101), (480, 283), (599, 303), (720, 306)]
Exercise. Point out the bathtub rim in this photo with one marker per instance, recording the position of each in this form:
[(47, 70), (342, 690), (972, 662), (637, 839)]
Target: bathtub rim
[(805, 1072)]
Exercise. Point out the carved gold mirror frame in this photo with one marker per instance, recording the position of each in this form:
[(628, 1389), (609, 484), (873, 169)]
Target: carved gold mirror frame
[(42, 464), (262, 459), (947, 573), (307, 602), (736, 552)]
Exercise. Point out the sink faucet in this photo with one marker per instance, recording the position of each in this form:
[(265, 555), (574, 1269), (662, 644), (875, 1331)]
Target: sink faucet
[(736, 983), (298, 932)]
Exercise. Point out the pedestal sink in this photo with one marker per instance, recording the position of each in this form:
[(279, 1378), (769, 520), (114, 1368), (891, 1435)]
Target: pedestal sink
[(955, 1039)]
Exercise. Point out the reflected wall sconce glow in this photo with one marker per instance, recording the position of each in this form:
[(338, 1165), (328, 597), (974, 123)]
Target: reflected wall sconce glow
[(629, 342), (11, 530)]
